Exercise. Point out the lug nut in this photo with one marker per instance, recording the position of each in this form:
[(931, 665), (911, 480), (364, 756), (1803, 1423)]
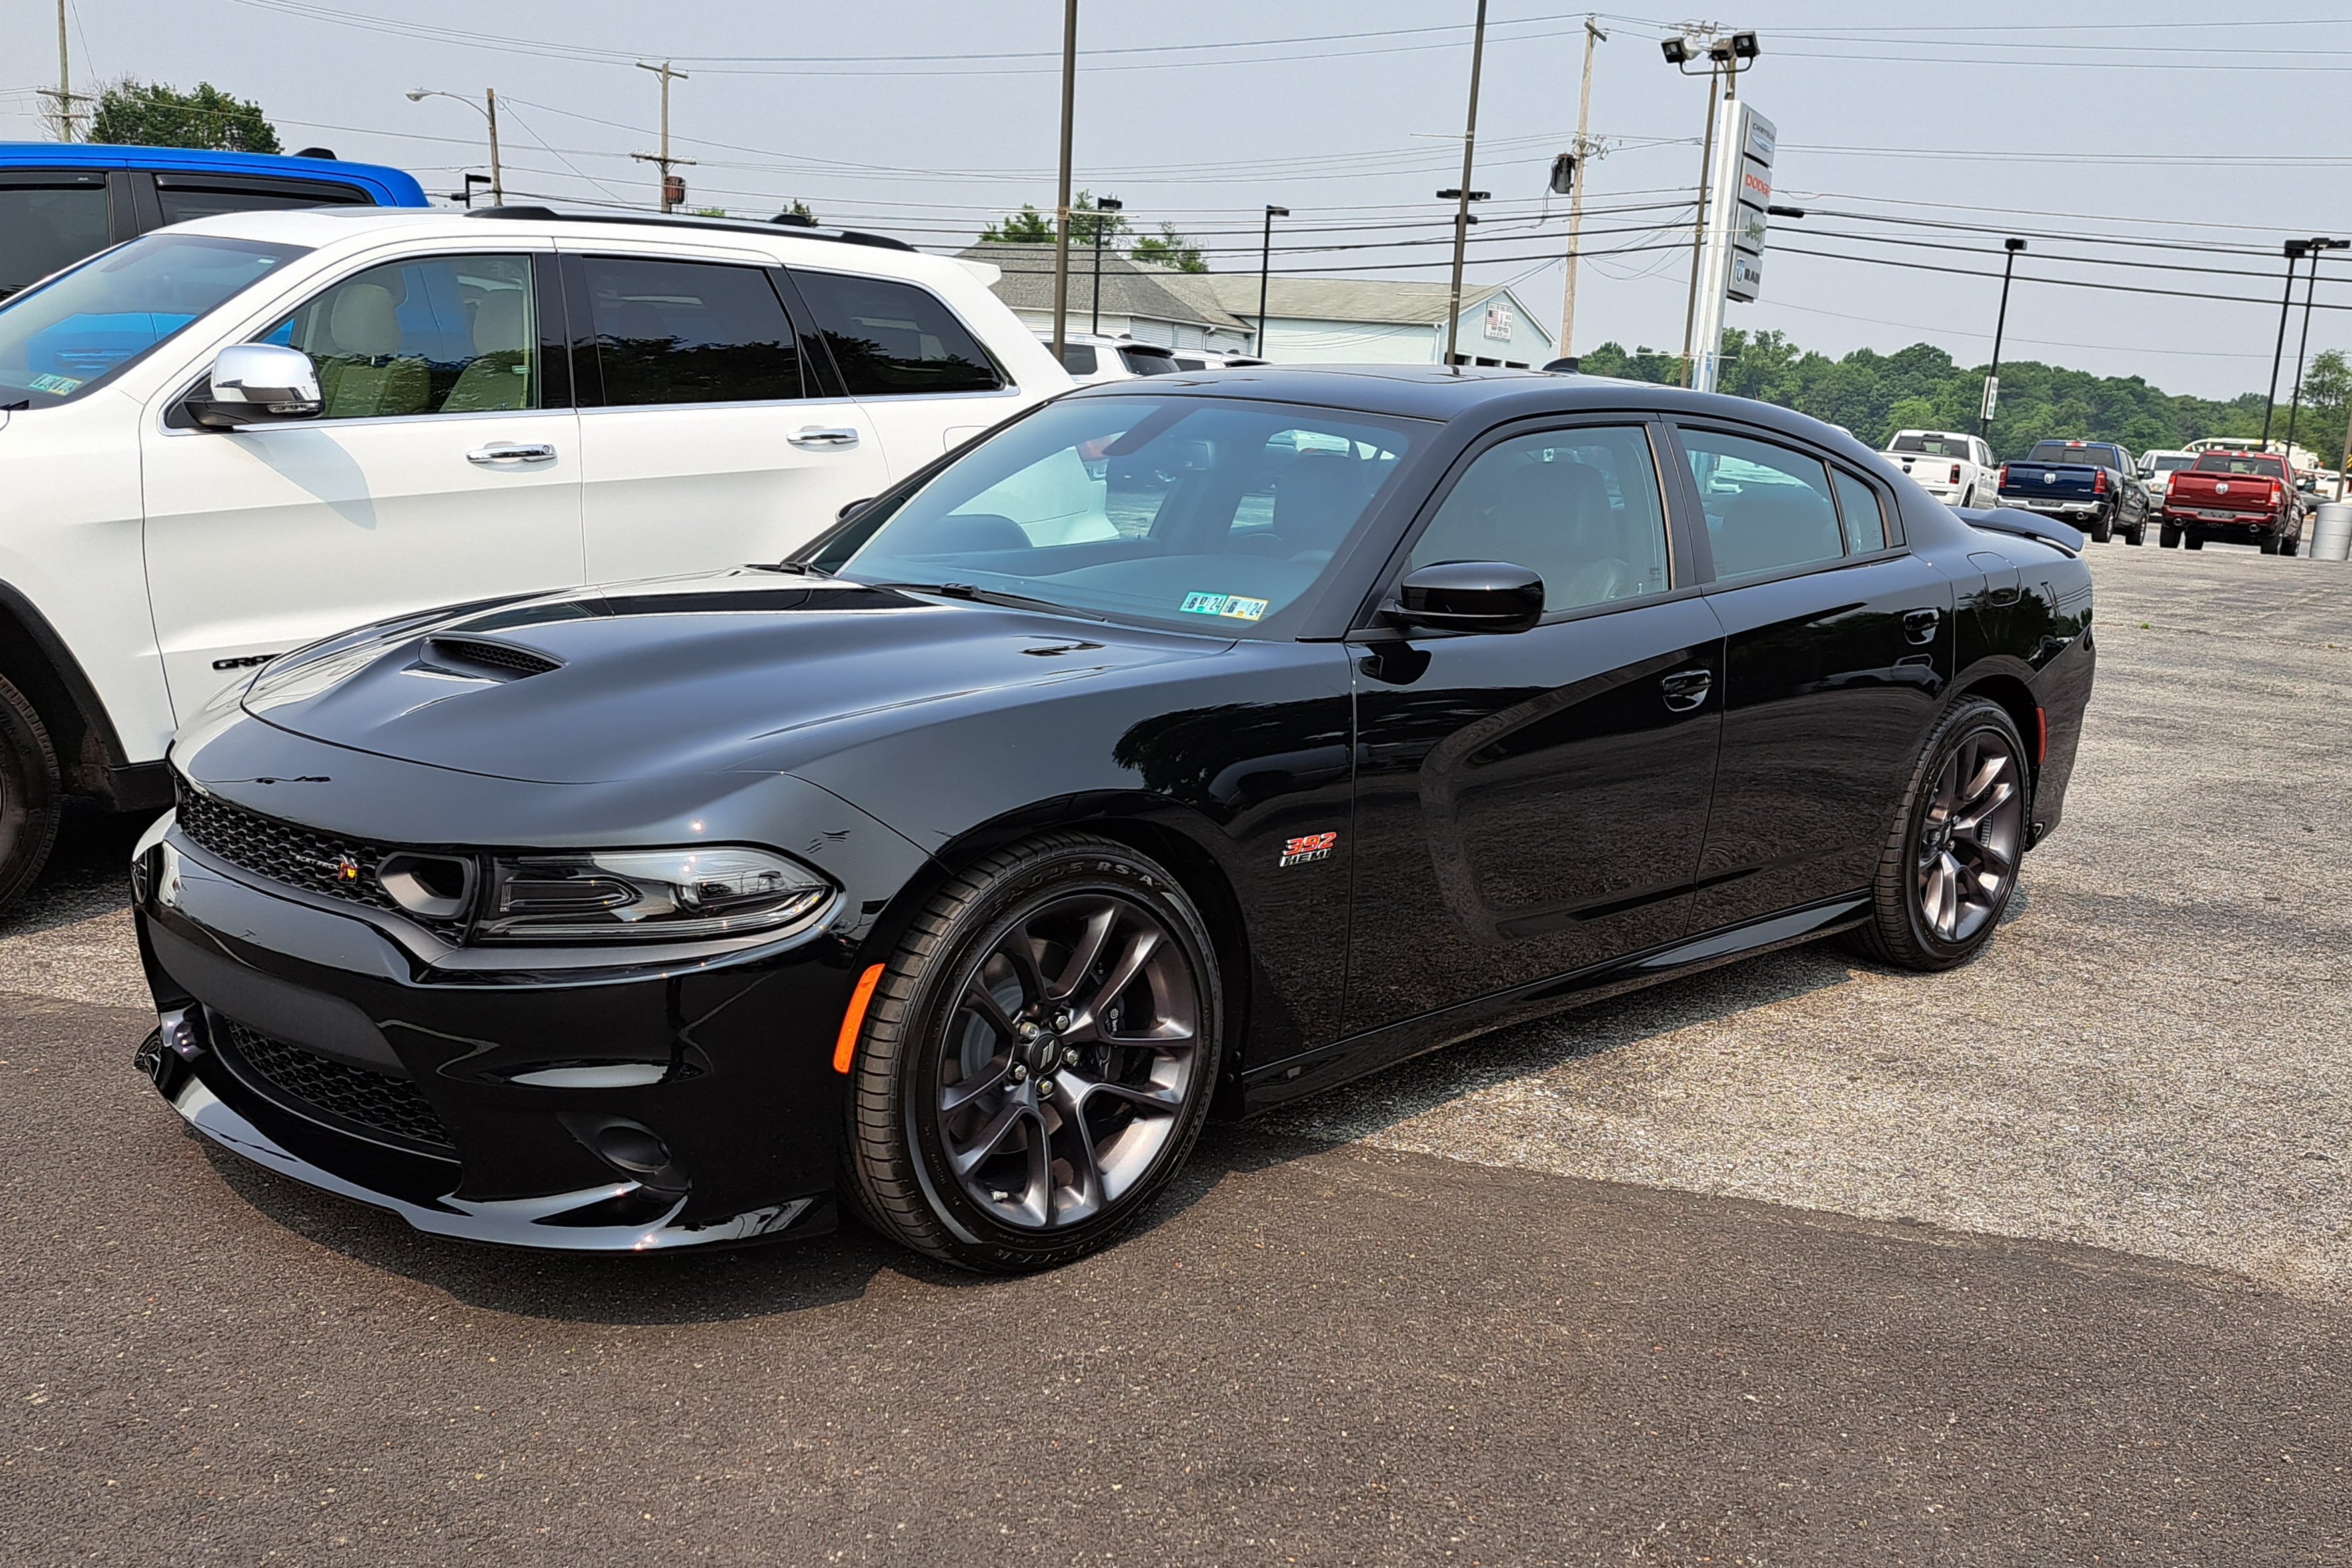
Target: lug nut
[(1019, 1073), (1070, 1056), (1029, 1032)]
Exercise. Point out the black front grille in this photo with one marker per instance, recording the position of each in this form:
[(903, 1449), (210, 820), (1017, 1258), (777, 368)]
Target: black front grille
[(297, 856), (334, 1091)]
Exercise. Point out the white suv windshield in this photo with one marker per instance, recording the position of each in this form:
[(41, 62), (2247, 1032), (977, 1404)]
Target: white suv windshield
[(71, 332), (1208, 514)]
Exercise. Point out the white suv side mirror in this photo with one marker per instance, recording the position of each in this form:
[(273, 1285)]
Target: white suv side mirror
[(255, 382)]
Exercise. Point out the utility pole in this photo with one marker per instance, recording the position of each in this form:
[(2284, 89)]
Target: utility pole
[(1585, 151), (1102, 204), (1999, 325), (1462, 196), (64, 95), (1062, 196), (1264, 268), (2294, 249), (2320, 246), (673, 190)]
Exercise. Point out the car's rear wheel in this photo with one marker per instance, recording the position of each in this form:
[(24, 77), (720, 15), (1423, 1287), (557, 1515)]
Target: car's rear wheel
[(2269, 543), (1949, 867), (1038, 1058), (2290, 544), (2103, 527), (2193, 542), (2168, 537), (31, 794)]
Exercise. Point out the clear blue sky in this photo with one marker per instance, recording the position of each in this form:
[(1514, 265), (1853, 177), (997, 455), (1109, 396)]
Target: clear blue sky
[(925, 116)]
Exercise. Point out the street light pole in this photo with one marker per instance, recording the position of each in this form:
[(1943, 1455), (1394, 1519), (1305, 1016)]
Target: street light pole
[(1462, 207), (1265, 270), (1999, 325), (1699, 227), (1061, 199), (1102, 204), (489, 110), (2294, 249), (2320, 244)]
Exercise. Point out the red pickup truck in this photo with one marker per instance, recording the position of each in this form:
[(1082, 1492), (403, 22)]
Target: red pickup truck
[(2247, 498)]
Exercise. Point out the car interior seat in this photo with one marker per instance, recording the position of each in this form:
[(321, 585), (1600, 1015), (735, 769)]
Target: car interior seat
[(362, 374), (498, 376), (1556, 518), (1316, 501), (1768, 527)]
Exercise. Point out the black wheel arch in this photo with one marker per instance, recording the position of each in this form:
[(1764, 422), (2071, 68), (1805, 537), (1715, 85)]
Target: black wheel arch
[(36, 661)]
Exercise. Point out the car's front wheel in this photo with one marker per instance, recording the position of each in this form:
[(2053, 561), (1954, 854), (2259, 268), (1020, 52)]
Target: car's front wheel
[(1038, 1057), (30, 794), (1949, 867)]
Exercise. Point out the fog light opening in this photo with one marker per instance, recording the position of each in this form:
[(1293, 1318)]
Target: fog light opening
[(435, 887)]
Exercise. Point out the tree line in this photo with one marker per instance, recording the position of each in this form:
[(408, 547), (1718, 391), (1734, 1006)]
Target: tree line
[(1921, 388)]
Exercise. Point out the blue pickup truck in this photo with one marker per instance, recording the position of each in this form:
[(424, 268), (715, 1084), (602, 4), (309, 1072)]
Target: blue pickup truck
[(2094, 485), (62, 201)]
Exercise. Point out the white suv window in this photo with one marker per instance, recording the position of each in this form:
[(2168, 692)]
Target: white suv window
[(440, 334), (689, 332)]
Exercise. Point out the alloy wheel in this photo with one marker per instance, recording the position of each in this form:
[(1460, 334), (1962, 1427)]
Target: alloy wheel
[(1068, 1061), (1969, 837)]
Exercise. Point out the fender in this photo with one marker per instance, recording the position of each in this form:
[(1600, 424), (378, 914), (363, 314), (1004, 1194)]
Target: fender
[(37, 659)]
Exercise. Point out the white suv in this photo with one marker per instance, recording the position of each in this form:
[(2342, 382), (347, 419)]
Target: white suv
[(228, 438)]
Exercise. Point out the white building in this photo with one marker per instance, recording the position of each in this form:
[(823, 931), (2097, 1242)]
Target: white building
[(1310, 321)]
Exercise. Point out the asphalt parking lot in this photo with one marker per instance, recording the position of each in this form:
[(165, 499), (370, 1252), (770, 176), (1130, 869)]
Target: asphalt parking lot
[(1800, 1261)]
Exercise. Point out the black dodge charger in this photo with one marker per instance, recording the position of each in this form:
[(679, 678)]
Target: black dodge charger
[(1166, 751)]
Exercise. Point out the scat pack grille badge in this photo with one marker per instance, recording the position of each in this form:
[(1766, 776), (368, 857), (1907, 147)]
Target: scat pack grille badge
[(1313, 847)]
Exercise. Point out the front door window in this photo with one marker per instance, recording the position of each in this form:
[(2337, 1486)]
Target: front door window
[(443, 334)]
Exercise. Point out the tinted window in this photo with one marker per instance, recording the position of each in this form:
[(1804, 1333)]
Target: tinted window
[(895, 339), (45, 227), (2172, 465), (1865, 522), (1768, 508), (184, 202), (1205, 514), (1579, 507), (1931, 445), (689, 332), (1078, 359), (57, 339), (445, 334), (1143, 362)]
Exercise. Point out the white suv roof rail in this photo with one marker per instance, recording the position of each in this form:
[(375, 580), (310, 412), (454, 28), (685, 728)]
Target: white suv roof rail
[(800, 229)]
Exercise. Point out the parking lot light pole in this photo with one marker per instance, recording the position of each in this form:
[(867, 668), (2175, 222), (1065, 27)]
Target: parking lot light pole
[(1265, 270), (1102, 204), (2294, 249), (1999, 325), (1061, 199), (489, 110), (2320, 245), (1462, 196)]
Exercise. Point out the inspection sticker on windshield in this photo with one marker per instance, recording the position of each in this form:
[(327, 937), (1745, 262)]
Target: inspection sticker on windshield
[(56, 386), (1232, 605)]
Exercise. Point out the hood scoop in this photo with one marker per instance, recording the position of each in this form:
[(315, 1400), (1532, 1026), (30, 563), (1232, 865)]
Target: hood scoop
[(485, 659)]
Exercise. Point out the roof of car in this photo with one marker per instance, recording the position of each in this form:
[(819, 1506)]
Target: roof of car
[(395, 186), (1434, 392)]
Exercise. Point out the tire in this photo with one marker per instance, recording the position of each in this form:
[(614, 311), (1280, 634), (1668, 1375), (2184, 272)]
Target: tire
[(2103, 527), (1943, 885), (2269, 544), (2139, 536), (31, 794), (2194, 541), (2290, 544), (2168, 537), (936, 1169)]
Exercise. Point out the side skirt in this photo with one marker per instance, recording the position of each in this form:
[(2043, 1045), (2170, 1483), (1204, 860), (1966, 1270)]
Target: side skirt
[(1279, 1082)]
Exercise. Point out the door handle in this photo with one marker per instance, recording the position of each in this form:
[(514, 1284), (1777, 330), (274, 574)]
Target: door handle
[(512, 451), (1919, 625), (824, 437), (1686, 689)]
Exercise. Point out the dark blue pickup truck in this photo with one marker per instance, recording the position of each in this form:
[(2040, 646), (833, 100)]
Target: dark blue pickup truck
[(2094, 485)]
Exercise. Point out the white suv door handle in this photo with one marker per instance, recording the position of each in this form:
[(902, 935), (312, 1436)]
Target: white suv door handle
[(512, 452), (823, 437)]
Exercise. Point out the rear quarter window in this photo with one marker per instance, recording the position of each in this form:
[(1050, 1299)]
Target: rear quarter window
[(895, 339), (46, 226)]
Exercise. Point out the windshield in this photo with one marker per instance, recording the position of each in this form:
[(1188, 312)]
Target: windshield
[(1207, 514), (1932, 446), (82, 326)]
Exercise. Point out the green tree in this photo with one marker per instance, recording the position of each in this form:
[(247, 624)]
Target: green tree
[(1169, 248), (1030, 227), (2326, 404), (151, 114)]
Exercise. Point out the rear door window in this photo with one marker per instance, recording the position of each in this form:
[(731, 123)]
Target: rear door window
[(1767, 507), (689, 332), (45, 226), (893, 340)]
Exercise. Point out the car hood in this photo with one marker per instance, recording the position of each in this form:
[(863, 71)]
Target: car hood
[(742, 669)]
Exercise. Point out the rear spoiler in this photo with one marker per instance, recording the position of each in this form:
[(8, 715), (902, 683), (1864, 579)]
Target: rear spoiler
[(2023, 524)]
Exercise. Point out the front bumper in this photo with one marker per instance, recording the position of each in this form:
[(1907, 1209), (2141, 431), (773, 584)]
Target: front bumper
[(670, 1103)]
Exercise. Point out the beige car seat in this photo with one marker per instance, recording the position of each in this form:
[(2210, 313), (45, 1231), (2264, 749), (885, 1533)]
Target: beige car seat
[(363, 376), (500, 376)]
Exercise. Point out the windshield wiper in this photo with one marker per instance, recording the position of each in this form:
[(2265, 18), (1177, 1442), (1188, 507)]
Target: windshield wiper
[(996, 596)]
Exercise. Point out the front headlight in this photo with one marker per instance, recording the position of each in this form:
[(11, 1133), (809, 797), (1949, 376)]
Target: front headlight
[(605, 895)]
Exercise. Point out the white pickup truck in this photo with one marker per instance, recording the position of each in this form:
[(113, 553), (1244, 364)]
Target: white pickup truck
[(1956, 469), (226, 439)]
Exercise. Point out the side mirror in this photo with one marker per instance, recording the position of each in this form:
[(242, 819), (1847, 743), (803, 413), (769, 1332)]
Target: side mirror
[(1469, 596), (253, 383)]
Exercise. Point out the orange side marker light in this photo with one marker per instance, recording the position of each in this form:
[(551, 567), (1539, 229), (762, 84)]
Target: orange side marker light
[(845, 1046)]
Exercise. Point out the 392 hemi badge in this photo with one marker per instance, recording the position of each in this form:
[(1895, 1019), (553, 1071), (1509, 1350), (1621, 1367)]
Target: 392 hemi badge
[(1313, 847)]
